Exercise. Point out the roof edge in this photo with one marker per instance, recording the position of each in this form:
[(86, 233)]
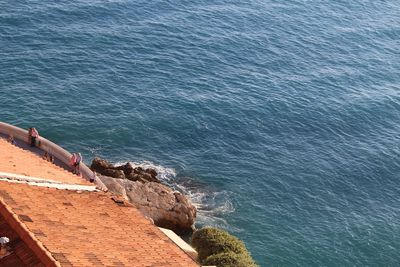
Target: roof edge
[(20, 177), (30, 240), (73, 187)]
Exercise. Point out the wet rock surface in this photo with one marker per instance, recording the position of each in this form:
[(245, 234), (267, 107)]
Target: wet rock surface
[(126, 171)]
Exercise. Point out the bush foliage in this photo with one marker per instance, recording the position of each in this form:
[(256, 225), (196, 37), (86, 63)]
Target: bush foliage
[(230, 259), (218, 247)]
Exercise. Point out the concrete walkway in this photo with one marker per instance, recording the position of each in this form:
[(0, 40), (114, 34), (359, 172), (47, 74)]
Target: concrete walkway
[(28, 162)]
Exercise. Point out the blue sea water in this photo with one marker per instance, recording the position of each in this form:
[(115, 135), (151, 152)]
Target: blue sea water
[(280, 119)]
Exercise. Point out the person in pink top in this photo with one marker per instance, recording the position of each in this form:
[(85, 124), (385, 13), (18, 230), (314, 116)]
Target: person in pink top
[(33, 136), (72, 161), (75, 162)]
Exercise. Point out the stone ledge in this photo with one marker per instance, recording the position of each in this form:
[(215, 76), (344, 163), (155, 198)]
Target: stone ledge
[(180, 243)]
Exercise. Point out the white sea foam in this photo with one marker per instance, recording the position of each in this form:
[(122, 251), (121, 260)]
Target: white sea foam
[(165, 174), (212, 206)]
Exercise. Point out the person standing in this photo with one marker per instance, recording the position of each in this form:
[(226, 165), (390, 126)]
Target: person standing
[(72, 161), (33, 136), (30, 135), (77, 163)]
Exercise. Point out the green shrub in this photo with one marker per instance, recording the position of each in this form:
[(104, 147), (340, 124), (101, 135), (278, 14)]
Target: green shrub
[(230, 259), (200, 237), (211, 241)]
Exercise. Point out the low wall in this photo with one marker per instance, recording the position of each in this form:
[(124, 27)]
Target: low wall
[(51, 148)]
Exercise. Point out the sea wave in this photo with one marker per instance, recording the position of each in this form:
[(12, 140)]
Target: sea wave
[(165, 174)]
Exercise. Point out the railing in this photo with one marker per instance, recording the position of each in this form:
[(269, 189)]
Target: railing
[(58, 152)]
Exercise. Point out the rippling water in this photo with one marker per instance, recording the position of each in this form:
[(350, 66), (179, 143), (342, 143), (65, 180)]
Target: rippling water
[(281, 119)]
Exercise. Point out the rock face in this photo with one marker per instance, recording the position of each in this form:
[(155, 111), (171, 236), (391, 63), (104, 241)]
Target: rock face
[(124, 171), (166, 207)]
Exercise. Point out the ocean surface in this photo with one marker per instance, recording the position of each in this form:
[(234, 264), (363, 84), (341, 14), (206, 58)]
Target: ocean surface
[(280, 119)]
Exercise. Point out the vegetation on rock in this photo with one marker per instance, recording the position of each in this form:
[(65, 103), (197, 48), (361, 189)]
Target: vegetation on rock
[(230, 259), (218, 247)]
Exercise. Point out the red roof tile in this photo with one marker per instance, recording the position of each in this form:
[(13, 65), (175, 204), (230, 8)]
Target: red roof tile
[(21, 254), (90, 228)]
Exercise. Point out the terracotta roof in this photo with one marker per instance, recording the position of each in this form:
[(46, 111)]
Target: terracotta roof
[(16, 160), (90, 228), (21, 254)]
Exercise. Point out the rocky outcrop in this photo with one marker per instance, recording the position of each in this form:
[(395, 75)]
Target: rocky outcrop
[(124, 171), (113, 185), (166, 207)]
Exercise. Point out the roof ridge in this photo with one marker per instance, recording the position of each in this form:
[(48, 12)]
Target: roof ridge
[(72, 224), (29, 238)]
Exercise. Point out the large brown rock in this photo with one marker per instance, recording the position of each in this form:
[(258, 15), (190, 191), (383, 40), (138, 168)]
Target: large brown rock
[(114, 173), (103, 167), (115, 186), (99, 165), (133, 176), (167, 208), (126, 168)]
